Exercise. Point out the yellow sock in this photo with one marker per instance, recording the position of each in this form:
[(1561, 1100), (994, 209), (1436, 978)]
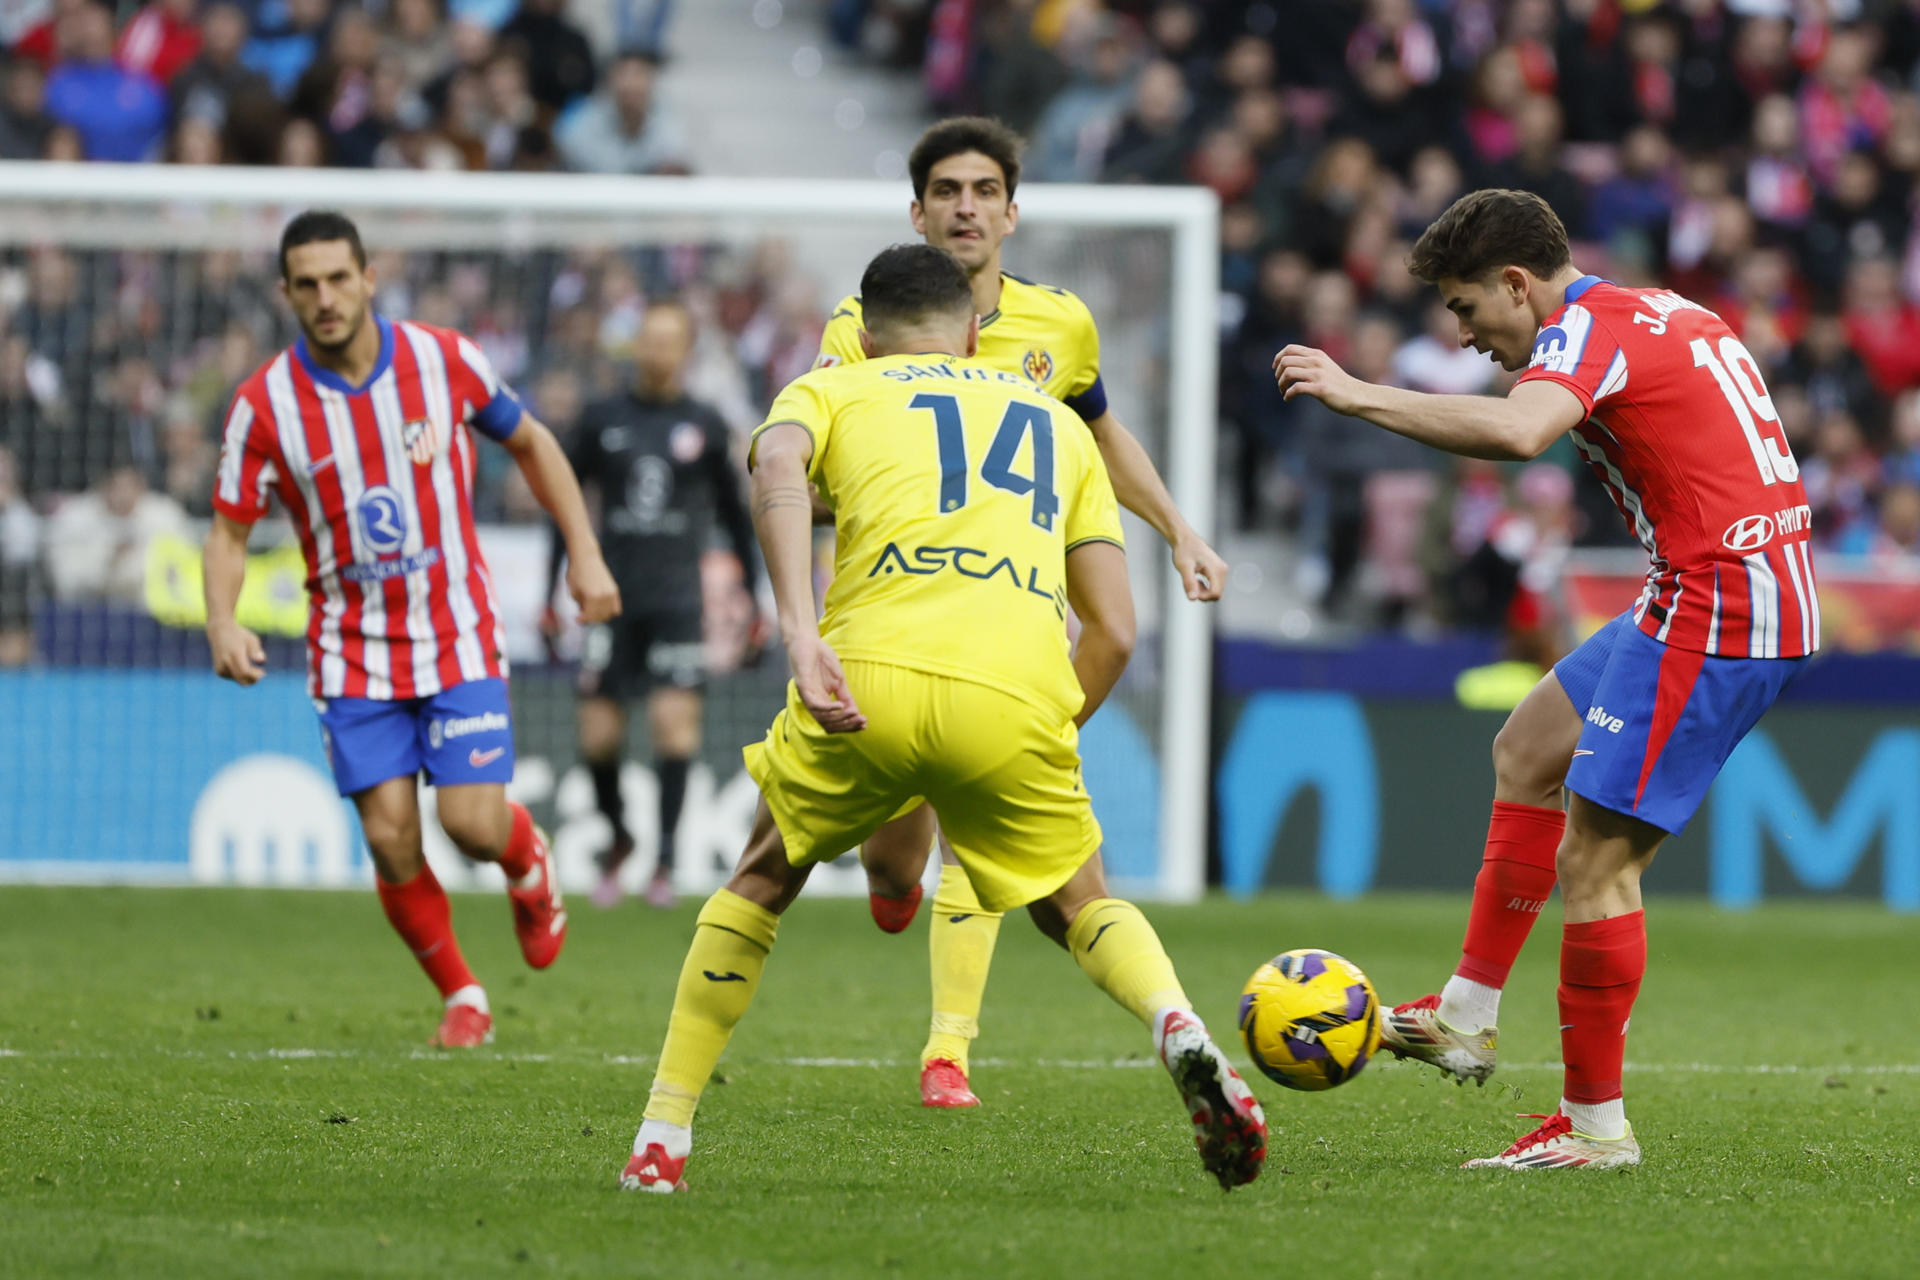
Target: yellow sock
[(722, 971), (960, 945), (1119, 950)]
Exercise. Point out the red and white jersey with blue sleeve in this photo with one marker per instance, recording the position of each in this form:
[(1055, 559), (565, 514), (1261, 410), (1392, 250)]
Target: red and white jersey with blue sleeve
[(378, 481), (1682, 432)]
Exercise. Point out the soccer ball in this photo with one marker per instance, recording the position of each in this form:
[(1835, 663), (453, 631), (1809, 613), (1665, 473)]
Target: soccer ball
[(1310, 1019)]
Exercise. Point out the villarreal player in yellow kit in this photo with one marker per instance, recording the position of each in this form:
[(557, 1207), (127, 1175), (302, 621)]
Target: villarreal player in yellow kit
[(964, 174), (969, 522)]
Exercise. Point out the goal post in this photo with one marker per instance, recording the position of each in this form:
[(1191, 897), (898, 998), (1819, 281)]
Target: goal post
[(1145, 259)]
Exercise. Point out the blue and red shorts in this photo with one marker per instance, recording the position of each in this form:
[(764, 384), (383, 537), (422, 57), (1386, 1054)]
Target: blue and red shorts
[(459, 736), (1660, 721)]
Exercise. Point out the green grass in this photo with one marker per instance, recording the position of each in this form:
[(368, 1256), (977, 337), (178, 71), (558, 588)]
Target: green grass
[(155, 1121)]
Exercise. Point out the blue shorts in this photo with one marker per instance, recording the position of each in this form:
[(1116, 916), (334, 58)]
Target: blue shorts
[(460, 736), (1660, 721)]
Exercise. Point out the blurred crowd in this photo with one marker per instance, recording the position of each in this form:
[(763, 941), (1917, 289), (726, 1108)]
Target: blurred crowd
[(117, 368), (527, 85), (1759, 156)]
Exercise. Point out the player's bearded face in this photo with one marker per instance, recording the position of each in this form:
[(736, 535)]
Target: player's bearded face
[(1493, 319), (330, 292), (966, 209)]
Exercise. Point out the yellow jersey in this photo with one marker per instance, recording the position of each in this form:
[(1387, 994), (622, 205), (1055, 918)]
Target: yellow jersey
[(957, 500), (1044, 334)]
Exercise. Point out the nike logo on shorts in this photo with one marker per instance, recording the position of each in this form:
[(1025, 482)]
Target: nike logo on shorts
[(481, 759)]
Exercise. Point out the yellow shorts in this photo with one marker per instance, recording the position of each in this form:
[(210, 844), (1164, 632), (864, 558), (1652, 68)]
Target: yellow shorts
[(1002, 771)]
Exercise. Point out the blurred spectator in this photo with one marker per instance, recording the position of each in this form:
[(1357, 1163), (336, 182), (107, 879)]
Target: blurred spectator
[(221, 90), (162, 39), (1151, 144), (625, 128), (1779, 189), (1897, 539), (97, 541), (336, 92), (189, 457), (1021, 74), (1883, 327), (119, 114), (286, 39), (1072, 134), (19, 566), (1635, 199), (24, 123), (1510, 580), (417, 39), (1434, 361), (1341, 463), (554, 52), (1842, 107), (1842, 479), (1859, 216), (1535, 163)]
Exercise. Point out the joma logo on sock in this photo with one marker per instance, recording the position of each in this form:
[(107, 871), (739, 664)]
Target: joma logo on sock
[(1599, 716)]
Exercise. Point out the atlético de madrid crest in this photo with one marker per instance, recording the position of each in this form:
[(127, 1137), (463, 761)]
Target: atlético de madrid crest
[(1039, 366), (421, 441)]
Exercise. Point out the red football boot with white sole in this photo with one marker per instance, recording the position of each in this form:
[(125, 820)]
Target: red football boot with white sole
[(539, 915), (655, 1171), (463, 1027), (944, 1084)]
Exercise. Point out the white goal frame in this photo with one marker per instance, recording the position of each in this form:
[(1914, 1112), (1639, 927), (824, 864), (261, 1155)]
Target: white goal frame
[(1189, 214)]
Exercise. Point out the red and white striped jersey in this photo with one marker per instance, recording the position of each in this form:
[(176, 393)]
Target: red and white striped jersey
[(378, 480), (1682, 432)]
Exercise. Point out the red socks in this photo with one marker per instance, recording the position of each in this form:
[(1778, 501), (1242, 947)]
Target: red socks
[(517, 859), (1516, 879), (421, 915), (1601, 965)]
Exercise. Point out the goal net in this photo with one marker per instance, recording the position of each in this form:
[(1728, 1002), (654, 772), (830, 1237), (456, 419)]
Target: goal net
[(132, 300)]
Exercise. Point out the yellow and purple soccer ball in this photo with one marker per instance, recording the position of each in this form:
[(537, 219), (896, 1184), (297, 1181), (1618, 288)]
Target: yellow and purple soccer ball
[(1310, 1019)]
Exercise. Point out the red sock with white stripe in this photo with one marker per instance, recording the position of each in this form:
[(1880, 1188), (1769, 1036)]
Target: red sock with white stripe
[(1515, 881), (422, 916), (1601, 965), (517, 858)]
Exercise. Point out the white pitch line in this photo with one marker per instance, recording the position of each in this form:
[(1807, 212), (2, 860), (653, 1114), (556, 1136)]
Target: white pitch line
[(866, 1064)]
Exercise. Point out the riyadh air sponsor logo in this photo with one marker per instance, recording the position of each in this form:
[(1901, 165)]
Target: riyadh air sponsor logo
[(1749, 533), (1599, 716)]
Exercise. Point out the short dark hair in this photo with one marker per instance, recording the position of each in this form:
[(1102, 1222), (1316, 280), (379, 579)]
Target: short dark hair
[(316, 225), (907, 283), (1484, 231), (962, 134)]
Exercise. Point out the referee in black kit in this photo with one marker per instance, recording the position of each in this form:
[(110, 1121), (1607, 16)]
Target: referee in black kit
[(661, 463)]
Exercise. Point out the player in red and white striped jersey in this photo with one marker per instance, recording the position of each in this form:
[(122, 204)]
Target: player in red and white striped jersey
[(1672, 414), (364, 429)]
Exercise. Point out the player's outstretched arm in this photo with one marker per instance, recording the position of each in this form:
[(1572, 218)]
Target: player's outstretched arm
[(1141, 491), (780, 499), (1514, 428), (238, 654), (550, 475), (1098, 590)]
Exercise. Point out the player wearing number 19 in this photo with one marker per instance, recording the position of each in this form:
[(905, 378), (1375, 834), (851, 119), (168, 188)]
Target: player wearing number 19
[(970, 516), (364, 429), (1670, 411)]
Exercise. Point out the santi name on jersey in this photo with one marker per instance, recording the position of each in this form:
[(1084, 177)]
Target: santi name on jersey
[(967, 562), (952, 373)]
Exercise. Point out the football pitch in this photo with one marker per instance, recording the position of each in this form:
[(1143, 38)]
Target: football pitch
[(231, 1083)]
